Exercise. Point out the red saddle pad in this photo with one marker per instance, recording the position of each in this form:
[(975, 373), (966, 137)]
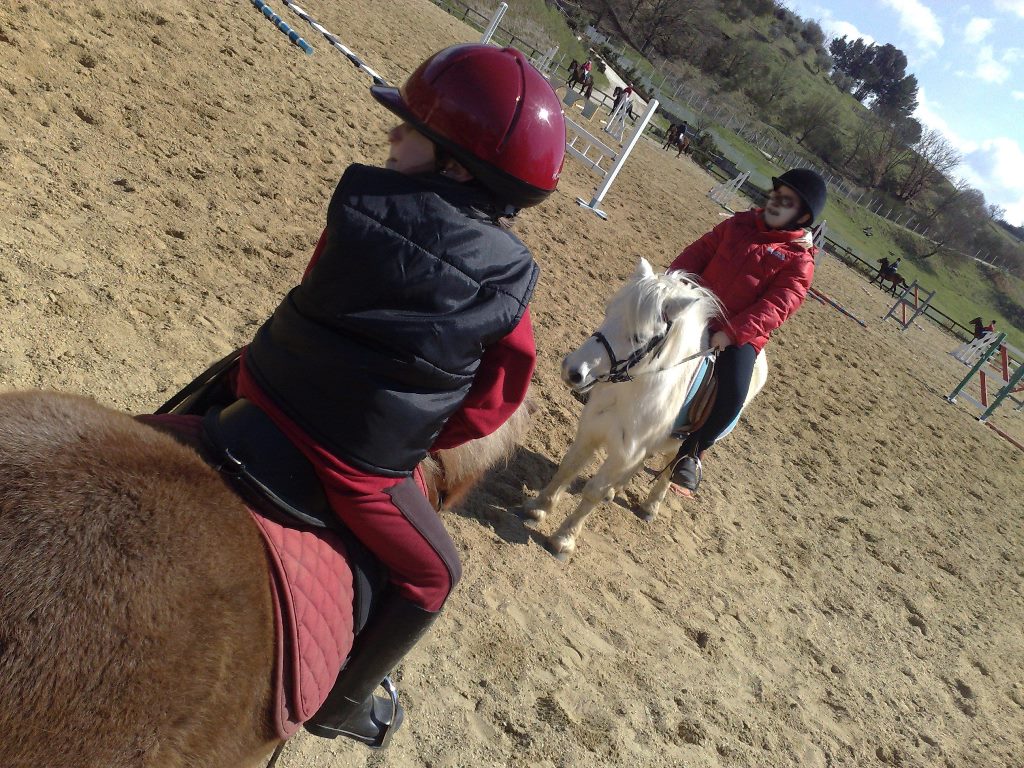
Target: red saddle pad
[(312, 589)]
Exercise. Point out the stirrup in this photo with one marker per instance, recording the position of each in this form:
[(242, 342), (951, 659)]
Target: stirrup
[(697, 477), (364, 725)]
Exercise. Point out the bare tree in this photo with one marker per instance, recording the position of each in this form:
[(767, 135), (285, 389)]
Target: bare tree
[(765, 88), (862, 133), (885, 150), (933, 157), (944, 199), (959, 224), (997, 212), (658, 21)]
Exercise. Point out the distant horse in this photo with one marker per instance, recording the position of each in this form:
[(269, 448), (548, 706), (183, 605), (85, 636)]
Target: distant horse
[(980, 329), (637, 368), (887, 273), (672, 137), (676, 138), (136, 624), (579, 76)]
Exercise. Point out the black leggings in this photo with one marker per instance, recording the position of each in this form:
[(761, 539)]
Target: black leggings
[(734, 368)]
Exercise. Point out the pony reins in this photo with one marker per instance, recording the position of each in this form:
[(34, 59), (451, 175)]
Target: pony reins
[(619, 370)]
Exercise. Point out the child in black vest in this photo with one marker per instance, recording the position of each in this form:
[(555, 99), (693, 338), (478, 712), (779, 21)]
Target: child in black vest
[(410, 332)]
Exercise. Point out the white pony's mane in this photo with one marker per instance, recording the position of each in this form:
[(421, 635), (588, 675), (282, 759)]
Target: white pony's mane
[(639, 304)]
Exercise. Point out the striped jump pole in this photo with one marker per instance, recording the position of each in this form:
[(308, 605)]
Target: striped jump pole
[(334, 41), (824, 299), (267, 11)]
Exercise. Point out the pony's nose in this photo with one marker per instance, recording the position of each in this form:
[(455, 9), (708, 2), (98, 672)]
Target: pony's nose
[(571, 374)]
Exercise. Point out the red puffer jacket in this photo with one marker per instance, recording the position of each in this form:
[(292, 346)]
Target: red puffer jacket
[(761, 275)]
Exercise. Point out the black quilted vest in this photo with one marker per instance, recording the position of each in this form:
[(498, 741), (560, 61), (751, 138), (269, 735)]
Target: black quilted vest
[(379, 344)]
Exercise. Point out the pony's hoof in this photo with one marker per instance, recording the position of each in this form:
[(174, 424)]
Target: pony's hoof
[(647, 515), (532, 514), (560, 548)]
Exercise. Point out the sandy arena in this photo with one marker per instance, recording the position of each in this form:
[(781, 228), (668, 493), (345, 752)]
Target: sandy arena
[(846, 591)]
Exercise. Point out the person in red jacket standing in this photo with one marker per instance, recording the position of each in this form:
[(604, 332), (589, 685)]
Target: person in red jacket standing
[(410, 332), (759, 263)]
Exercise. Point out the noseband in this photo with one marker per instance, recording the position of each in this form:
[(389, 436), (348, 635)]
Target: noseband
[(619, 370)]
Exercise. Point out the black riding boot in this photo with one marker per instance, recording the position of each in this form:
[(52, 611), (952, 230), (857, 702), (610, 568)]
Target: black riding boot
[(686, 468), (351, 708)]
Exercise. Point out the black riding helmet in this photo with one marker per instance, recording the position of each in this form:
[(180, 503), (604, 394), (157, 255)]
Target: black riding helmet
[(809, 187)]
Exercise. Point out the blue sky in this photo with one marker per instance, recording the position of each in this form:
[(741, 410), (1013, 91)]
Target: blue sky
[(969, 61)]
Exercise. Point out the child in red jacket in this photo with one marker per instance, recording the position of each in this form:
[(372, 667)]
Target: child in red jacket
[(410, 332), (759, 263)]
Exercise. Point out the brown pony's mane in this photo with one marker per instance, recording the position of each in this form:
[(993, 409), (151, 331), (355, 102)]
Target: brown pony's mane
[(451, 474)]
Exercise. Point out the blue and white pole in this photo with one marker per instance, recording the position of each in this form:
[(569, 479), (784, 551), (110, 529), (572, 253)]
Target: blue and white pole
[(334, 41), (267, 11)]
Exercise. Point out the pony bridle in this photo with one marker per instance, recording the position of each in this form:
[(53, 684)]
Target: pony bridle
[(619, 370)]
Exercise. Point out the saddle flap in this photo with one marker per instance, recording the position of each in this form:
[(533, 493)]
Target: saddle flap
[(698, 400), (277, 479)]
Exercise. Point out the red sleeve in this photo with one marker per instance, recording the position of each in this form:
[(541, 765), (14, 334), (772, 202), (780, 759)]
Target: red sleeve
[(695, 257), (316, 253), (781, 299), (499, 388)]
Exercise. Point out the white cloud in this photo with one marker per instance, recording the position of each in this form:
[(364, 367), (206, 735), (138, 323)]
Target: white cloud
[(1006, 162), (995, 166), (976, 30), (989, 69), (834, 27), (927, 113), (1015, 213), (1018, 95), (998, 170), (918, 20), (1013, 6), (837, 28)]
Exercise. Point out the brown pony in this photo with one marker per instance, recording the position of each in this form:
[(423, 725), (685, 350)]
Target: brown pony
[(896, 279), (135, 614)]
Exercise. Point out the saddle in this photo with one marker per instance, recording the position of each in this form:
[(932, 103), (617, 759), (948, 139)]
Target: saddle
[(319, 607), (698, 402)]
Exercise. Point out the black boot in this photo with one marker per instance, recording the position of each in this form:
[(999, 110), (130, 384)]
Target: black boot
[(351, 708), (686, 468)]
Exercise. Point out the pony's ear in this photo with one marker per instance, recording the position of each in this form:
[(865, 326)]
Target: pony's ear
[(643, 269), (673, 308)]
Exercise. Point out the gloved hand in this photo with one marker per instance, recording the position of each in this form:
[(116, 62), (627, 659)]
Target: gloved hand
[(720, 340)]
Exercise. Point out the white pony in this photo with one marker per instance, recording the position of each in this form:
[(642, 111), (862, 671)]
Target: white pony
[(638, 368)]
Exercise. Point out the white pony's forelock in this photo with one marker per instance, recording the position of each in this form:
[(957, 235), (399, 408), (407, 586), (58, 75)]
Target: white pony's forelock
[(645, 298)]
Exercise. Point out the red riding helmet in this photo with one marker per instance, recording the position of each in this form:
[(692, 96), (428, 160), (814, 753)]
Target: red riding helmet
[(493, 112)]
